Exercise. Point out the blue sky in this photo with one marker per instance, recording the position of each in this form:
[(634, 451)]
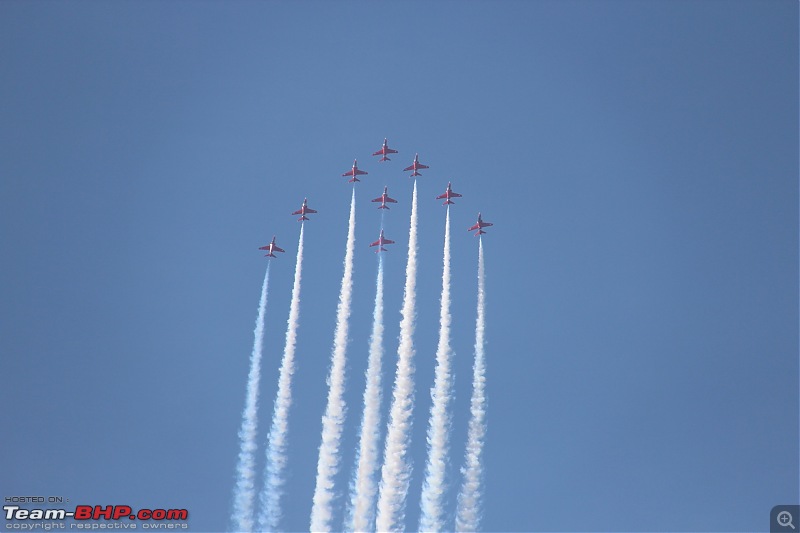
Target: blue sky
[(639, 161)]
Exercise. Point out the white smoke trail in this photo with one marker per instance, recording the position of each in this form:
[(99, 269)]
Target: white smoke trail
[(363, 490), (468, 510), (243, 516), (270, 512), (396, 469), (333, 419), (434, 487)]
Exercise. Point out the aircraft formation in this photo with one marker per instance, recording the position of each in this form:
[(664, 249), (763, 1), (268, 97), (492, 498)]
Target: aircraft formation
[(384, 198), (373, 506)]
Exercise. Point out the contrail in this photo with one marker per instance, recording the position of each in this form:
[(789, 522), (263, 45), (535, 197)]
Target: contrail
[(270, 513), (333, 420), (396, 469), (243, 516), (434, 487), (468, 512), (363, 490)]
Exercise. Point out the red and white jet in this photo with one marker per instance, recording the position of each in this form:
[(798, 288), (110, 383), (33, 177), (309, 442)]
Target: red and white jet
[(383, 198), (304, 210), (272, 247), (415, 166), (479, 226), (384, 151), (380, 242), (448, 194), (354, 172)]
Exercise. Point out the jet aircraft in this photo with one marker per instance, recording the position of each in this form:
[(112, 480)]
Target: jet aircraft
[(448, 194), (383, 198), (304, 210), (380, 242), (354, 172), (479, 226), (384, 151), (415, 166), (272, 247)]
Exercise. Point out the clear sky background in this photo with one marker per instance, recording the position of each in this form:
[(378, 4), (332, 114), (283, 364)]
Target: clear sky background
[(639, 161)]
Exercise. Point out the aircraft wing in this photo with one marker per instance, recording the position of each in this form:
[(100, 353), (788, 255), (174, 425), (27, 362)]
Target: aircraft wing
[(438, 197), (387, 241), (376, 243), (298, 212), (309, 210), (453, 194), (411, 168), (276, 249), (391, 200), (473, 228)]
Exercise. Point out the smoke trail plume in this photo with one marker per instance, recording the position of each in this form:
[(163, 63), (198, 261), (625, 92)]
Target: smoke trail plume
[(333, 419), (244, 494), (468, 510), (396, 469), (363, 490), (434, 487), (270, 513)]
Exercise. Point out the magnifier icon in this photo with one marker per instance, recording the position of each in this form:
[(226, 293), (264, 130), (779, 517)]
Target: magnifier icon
[(785, 519)]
